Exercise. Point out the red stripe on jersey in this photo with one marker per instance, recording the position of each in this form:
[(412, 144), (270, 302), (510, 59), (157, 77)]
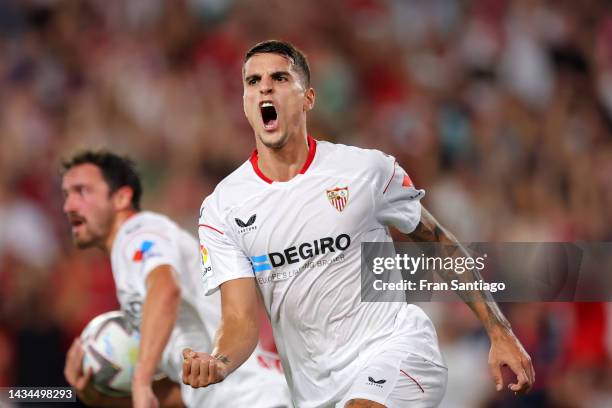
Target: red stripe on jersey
[(312, 149), (254, 158), (412, 378), (392, 175), (212, 228)]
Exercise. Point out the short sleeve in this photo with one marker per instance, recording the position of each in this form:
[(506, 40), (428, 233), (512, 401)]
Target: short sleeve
[(147, 250), (221, 259), (397, 201)]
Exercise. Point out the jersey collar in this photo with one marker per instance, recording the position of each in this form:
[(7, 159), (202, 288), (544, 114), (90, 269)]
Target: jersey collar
[(312, 149)]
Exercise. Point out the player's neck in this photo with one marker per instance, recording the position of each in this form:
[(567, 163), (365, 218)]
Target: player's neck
[(285, 163), (120, 218)]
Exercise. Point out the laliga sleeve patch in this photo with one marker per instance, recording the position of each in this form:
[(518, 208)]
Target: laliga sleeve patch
[(205, 259)]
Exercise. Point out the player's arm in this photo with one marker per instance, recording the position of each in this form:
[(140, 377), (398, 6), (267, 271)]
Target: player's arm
[(238, 333), (236, 337), (167, 392), (159, 313), (505, 347)]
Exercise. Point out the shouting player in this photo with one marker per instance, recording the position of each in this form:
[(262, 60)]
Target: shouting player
[(289, 223), (155, 266)]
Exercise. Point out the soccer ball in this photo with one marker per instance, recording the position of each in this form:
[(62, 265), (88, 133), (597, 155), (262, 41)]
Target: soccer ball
[(111, 351)]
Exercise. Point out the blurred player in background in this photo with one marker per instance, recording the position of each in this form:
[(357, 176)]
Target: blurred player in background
[(290, 222), (155, 266)]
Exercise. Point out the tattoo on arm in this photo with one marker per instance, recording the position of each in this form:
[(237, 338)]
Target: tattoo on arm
[(221, 358), (481, 302), (428, 230)]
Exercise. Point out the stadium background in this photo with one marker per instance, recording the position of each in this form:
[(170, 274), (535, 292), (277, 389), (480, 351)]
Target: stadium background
[(501, 109)]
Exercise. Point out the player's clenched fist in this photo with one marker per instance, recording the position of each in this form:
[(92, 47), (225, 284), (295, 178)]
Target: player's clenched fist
[(202, 369)]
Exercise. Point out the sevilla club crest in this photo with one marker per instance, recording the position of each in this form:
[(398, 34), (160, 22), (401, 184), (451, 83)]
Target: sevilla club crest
[(338, 197)]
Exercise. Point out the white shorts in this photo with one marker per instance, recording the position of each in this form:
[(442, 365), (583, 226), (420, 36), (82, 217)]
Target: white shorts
[(397, 382)]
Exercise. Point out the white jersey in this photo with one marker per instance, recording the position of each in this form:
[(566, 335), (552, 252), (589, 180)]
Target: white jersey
[(148, 240), (300, 240)]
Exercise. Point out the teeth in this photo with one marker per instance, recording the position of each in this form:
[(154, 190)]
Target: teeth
[(266, 104)]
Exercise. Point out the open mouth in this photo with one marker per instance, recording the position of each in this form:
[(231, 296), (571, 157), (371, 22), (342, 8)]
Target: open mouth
[(268, 115), (76, 222)]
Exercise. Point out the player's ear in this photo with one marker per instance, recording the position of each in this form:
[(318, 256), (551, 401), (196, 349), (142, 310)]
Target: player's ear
[(122, 198), (309, 99)]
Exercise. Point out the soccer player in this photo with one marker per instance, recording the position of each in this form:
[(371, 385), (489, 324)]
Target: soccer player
[(155, 266), (288, 223)]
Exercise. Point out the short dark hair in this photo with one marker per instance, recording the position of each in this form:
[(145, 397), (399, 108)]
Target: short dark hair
[(297, 57), (118, 171)]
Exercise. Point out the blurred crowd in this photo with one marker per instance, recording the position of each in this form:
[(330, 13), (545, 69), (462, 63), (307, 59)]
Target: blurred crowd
[(500, 109)]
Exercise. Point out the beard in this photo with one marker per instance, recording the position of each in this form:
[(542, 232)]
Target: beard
[(86, 240), (94, 232), (84, 244)]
